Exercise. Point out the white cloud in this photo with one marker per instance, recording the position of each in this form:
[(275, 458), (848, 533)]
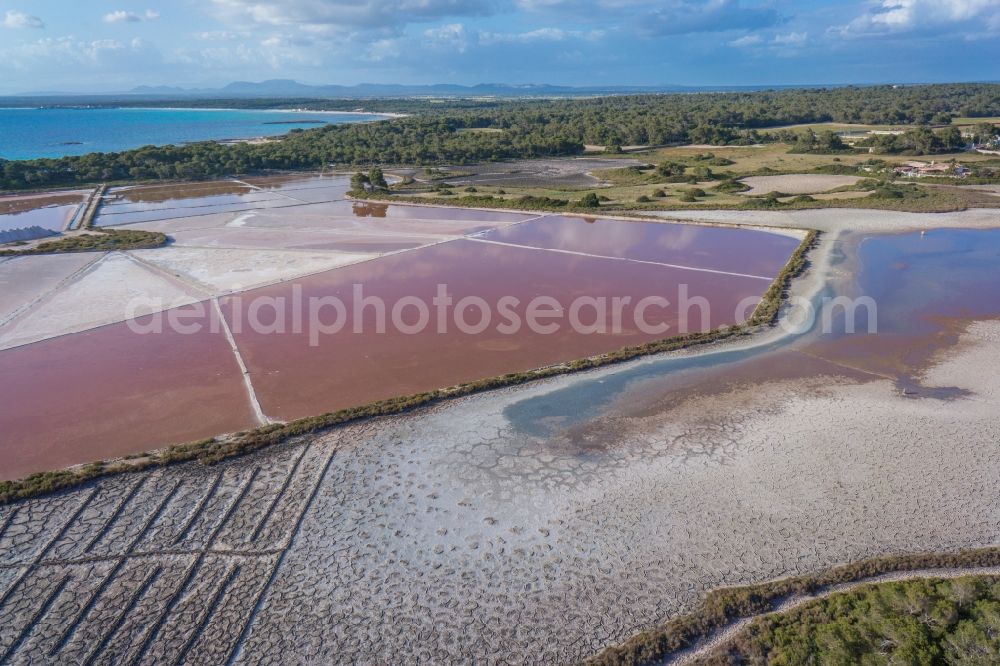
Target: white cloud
[(451, 37), (902, 16), (274, 52), (384, 49), (665, 17), (539, 35), (746, 40), (16, 19), (791, 39), (347, 13), (60, 51), (122, 16), (216, 36)]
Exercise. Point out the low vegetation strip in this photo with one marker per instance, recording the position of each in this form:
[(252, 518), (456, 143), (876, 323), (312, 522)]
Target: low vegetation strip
[(209, 451), (96, 240), (917, 621), (725, 606)]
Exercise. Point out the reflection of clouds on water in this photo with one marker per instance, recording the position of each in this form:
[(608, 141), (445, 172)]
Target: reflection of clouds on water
[(725, 249), (681, 237), (52, 218), (601, 236)]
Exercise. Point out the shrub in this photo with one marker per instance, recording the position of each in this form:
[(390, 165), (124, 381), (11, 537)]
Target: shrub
[(590, 200), (730, 186), (643, 199), (95, 240), (377, 179), (672, 170)]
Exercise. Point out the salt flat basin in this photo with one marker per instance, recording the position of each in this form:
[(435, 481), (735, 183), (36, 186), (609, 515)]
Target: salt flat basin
[(108, 392), (166, 388), (294, 379)]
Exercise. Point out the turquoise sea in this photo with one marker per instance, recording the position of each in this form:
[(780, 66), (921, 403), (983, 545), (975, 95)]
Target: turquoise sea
[(30, 133)]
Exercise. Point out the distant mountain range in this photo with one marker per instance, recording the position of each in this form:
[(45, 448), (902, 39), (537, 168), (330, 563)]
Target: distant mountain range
[(290, 88)]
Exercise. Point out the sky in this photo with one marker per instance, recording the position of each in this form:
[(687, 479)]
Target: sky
[(114, 45)]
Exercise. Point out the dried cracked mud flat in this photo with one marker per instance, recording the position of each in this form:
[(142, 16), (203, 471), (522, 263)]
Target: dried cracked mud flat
[(451, 536), (530, 525)]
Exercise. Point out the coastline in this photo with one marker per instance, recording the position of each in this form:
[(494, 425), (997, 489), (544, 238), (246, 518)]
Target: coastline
[(385, 114), (317, 119)]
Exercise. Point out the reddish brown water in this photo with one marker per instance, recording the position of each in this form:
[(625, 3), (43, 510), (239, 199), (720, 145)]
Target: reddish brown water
[(108, 392), (21, 203), (175, 192), (718, 248), (295, 379), (294, 182)]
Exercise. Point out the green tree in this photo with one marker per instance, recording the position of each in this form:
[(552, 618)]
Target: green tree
[(671, 169), (590, 200), (359, 182), (377, 179)]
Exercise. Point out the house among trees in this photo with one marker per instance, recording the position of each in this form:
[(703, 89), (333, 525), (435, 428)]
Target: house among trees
[(930, 169)]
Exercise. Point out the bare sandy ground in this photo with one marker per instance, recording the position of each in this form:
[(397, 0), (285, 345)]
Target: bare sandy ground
[(113, 288), (220, 271), (25, 279), (841, 220), (555, 172), (797, 183), (989, 189), (833, 196)]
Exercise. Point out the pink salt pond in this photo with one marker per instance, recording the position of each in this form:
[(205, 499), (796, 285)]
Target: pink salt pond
[(300, 373), (109, 391), (118, 392)]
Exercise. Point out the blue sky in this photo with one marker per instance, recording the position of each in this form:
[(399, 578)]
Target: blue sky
[(106, 45)]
